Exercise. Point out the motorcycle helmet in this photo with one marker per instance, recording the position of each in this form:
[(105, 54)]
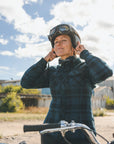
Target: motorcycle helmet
[(64, 29)]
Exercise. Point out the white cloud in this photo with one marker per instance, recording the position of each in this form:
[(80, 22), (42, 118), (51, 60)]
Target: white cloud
[(76, 12), (34, 26), (26, 38), (29, 1), (4, 68), (14, 13), (8, 53), (83, 12), (33, 50), (20, 74), (95, 17), (3, 41), (33, 1)]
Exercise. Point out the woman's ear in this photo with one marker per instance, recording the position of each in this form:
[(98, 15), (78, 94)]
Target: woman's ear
[(73, 51)]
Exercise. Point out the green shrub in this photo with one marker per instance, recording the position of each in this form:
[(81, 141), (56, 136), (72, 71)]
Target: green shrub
[(99, 112), (109, 103), (0, 89), (18, 89), (11, 103), (30, 91), (7, 89), (1, 136)]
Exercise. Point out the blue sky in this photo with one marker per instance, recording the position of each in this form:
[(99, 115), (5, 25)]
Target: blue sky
[(25, 24)]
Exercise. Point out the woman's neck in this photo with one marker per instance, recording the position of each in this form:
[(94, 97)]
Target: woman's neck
[(65, 57)]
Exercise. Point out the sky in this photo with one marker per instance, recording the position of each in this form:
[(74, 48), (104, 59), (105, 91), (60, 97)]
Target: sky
[(25, 25)]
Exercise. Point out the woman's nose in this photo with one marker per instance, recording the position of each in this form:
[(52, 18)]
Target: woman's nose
[(58, 43)]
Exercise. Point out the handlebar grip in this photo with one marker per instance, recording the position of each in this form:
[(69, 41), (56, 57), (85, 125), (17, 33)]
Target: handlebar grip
[(28, 128)]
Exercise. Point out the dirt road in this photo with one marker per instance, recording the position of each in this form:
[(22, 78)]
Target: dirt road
[(12, 132)]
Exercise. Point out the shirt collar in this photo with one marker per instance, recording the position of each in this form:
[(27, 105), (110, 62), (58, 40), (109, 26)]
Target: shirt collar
[(69, 60)]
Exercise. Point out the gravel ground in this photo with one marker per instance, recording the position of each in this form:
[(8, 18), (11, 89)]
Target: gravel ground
[(12, 132)]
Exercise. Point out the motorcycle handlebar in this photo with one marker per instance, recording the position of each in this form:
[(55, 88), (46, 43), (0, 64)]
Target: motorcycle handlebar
[(64, 126), (28, 128)]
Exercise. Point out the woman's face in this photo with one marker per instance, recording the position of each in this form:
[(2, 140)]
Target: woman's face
[(63, 46)]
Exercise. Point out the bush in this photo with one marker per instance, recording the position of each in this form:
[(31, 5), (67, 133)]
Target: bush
[(11, 103), (30, 91), (109, 103), (0, 89), (99, 112), (18, 89)]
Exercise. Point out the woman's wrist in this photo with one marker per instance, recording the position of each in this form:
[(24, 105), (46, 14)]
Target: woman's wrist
[(46, 58)]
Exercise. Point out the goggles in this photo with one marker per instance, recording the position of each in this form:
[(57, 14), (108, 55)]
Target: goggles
[(61, 29)]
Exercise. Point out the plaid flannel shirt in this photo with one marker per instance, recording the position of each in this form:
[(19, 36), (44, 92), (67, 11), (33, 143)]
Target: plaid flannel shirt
[(71, 84)]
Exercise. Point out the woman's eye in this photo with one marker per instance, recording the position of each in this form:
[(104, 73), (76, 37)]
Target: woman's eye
[(56, 42)]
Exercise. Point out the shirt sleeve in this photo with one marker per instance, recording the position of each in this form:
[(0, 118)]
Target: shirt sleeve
[(98, 70), (37, 76)]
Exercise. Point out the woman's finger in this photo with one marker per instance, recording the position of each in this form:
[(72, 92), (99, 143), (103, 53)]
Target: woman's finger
[(78, 44)]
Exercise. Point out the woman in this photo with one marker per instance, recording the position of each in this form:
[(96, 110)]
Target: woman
[(71, 82)]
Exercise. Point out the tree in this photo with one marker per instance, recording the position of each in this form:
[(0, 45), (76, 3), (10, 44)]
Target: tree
[(11, 103)]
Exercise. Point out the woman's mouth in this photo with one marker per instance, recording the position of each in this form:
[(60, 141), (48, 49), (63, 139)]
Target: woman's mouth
[(60, 48)]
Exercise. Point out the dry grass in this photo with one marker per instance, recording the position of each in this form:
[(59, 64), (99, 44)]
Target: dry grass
[(20, 116), (34, 113), (40, 110), (30, 113)]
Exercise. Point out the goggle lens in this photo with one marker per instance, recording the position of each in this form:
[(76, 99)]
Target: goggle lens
[(63, 28), (52, 31), (59, 29)]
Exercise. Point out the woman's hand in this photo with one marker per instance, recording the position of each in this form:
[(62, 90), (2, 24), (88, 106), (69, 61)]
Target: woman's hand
[(79, 48), (51, 55)]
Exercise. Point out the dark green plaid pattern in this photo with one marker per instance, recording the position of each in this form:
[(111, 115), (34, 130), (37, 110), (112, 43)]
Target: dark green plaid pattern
[(71, 84)]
